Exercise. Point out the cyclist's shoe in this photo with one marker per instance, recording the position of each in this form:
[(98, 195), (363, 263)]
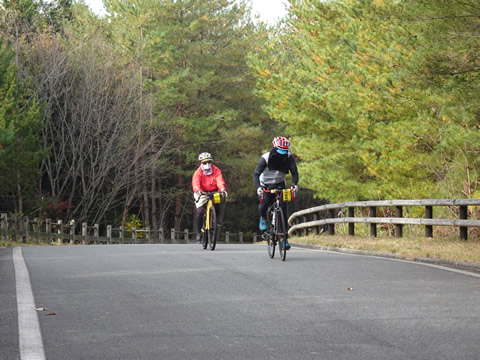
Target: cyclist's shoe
[(287, 245), (263, 224), (198, 237)]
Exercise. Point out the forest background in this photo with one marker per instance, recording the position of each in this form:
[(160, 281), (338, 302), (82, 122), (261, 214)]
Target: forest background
[(102, 118)]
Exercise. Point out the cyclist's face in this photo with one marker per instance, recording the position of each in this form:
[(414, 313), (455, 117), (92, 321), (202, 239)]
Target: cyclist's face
[(206, 165)]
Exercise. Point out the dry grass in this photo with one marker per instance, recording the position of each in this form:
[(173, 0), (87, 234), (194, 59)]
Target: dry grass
[(408, 247)]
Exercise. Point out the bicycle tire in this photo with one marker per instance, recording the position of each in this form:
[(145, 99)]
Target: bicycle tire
[(269, 235), (212, 231), (270, 246), (280, 234), (204, 236), (204, 240)]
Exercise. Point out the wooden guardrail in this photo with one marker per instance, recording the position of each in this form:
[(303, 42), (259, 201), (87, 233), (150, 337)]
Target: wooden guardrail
[(318, 217), (46, 230)]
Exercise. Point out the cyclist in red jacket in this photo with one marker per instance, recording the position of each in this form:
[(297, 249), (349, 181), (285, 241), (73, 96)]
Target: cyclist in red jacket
[(206, 178)]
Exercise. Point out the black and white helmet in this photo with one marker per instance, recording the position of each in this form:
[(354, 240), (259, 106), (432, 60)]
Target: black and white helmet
[(205, 156)]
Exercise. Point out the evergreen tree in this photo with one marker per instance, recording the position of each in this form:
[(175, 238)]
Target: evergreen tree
[(378, 95), (20, 126), (192, 56)]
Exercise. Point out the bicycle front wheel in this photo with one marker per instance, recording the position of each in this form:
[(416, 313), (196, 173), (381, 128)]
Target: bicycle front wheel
[(270, 246), (204, 236), (212, 231), (281, 234)]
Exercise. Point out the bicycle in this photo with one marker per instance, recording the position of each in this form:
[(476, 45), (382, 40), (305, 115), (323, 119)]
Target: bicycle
[(210, 226), (276, 232)]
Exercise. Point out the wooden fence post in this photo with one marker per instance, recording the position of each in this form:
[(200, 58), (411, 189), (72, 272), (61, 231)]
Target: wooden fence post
[(96, 233), (72, 231), (227, 237), (4, 226), (185, 235), (351, 226), (463, 216), (15, 227), (428, 215), (254, 240), (240, 237), (36, 222), (148, 234), (60, 231), (316, 229), (399, 227), (84, 233), (109, 234), (26, 224), (331, 227), (161, 236), (373, 227), (134, 234), (122, 234), (172, 235), (48, 230)]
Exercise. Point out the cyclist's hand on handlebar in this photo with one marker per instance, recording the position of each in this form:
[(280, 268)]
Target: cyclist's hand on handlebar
[(224, 193), (196, 195), (260, 191), (294, 188)]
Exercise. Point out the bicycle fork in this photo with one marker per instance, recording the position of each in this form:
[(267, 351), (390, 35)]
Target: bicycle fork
[(206, 220)]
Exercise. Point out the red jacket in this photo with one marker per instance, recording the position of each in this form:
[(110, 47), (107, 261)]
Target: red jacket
[(212, 182)]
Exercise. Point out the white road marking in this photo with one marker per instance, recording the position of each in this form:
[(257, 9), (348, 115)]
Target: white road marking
[(447, 268), (29, 334)]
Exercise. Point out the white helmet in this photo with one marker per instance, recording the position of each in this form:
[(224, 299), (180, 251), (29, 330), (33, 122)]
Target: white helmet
[(205, 156)]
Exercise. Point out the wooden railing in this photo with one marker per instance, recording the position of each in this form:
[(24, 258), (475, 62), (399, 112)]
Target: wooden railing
[(317, 218), (45, 230)]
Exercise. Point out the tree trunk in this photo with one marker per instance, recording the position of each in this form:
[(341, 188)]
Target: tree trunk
[(179, 200), (146, 200), (19, 195), (153, 197)]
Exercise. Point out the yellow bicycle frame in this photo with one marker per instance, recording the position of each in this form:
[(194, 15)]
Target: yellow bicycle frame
[(207, 219), (216, 199)]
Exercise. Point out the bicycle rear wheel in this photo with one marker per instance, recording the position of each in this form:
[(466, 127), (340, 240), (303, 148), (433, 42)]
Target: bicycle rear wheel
[(212, 231), (281, 234)]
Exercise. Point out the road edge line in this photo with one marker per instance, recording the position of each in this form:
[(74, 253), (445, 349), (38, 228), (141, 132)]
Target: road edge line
[(435, 263), (29, 333)]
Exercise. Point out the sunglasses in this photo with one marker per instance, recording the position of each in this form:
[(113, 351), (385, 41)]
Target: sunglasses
[(207, 162)]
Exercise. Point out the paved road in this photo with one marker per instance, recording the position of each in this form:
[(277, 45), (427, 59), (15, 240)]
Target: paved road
[(181, 302)]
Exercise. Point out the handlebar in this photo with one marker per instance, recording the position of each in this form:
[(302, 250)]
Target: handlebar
[(211, 194), (279, 192), (208, 193)]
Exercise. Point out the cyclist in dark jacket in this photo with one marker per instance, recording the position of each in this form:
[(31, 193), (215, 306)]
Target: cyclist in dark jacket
[(270, 173)]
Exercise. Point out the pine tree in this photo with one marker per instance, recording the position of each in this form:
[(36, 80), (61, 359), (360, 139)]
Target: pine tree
[(193, 58), (20, 125), (379, 96)]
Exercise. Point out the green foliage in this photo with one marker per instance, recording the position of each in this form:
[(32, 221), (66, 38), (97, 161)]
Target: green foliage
[(192, 57), (379, 97), (6, 130), (133, 222), (20, 125), (371, 115)]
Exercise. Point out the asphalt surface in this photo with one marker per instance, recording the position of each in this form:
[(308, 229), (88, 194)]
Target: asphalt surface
[(182, 302)]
